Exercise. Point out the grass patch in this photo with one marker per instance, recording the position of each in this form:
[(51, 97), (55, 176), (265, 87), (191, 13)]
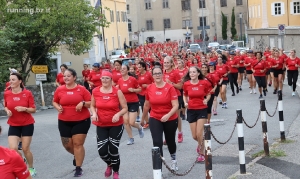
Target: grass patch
[(287, 141), (273, 153), (233, 177)]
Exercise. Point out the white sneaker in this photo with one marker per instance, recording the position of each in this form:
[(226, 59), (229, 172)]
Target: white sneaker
[(254, 91), (174, 166), (251, 92), (293, 94)]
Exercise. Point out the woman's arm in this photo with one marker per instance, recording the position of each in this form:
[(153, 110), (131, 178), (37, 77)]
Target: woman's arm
[(178, 85), (146, 109), (174, 109), (123, 103)]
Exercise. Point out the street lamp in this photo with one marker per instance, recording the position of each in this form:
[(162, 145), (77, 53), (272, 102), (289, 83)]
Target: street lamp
[(241, 18)]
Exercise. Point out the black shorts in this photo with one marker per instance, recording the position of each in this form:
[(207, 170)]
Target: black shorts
[(180, 102), (217, 91), (194, 114), (241, 69), (277, 72), (21, 130), (133, 107), (70, 128), (268, 72), (271, 70), (224, 82), (141, 100), (249, 72)]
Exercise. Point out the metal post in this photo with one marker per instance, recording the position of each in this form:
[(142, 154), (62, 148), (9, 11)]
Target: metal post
[(241, 29), (281, 119), (203, 37), (241, 141), (263, 117), (208, 155), (156, 162)]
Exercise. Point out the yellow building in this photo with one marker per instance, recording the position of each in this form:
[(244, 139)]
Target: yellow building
[(270, 13), (274, 23)]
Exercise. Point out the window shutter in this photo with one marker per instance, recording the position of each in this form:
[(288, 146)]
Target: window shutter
[(292, 7), (282, 8), (273, 9)]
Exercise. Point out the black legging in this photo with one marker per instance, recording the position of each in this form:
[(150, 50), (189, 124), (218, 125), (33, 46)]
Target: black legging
[(157, 128), (261, 81), (108, 141), (292, 78), (233, 80)]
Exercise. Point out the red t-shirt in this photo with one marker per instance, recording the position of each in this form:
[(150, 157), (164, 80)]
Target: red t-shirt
[(12, 165), (196, 93), (94, 77), (248, 60), (211, 81), (232, 63), (258, 66), (182, 72), (278, 61), (116, 75), (7, 84), (146, 78), (85, 74), (69, 99), (107, 105), (131, 82), (174, 77), (222, 70), (240, 60), (216, 76), (290, 63), (60, 79), (24, 99), (160, 100)]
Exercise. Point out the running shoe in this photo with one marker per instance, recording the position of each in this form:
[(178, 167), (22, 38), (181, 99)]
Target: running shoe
[(74, 162), (233, 94), (165, 143), (254, 91), (180, 137), (116, 175), (237, 90), (138, 119), (220, 101), (275, 91), (251, 91), (198, 150), (215, 112), (20, 146), (145, 126), (260, 96), (293, 94), (225, 105), (270, 84), (182, 116), (141, 132), (130, 141), (174, 166), (201, 158), (78, 172), (264, 91), (32, 172), (108, 171), (240, 88)]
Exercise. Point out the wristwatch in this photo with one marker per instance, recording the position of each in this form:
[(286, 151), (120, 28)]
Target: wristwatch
[(83, 102)]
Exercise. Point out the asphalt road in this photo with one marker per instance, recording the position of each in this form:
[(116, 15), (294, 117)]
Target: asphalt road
[(52, 161)]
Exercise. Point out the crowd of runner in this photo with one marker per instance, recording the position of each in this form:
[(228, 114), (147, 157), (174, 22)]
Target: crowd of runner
[(169, 83)]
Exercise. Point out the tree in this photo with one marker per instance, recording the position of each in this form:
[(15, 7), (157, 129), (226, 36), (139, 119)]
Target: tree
[(42, 26), (233, 29), (224, 26)]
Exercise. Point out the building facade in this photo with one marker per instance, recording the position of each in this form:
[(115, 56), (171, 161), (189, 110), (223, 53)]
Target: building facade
[(274, 23), (164, 20)]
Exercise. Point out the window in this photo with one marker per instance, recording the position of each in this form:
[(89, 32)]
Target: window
[(148, 4), (250, 14), (295, 8), (202, 2), (118, 16), (149, 25), (167, 23), (165, 4), (239, 2), (258, 10), (128, 10), (277, 8), (186, 23), (223, 3), (186, 5), (112, 16), (129, 25), (202, 20)]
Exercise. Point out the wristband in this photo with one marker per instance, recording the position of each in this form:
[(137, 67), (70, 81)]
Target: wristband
[(83, 102)]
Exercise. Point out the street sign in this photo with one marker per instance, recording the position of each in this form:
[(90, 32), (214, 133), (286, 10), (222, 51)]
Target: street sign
[(205, 27), (39, 69), (40, 77), (281, 29)]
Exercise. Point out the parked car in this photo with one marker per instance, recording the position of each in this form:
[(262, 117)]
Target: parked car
[(194, 48), (223, 47), (115, 54), (126, 60), (214, 45)]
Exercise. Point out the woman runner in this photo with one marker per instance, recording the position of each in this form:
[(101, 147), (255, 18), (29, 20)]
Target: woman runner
[(292, 64), (259, 69)]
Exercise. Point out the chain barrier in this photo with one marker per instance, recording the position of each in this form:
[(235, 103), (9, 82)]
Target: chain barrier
[(229, 137), (255, 121), (187, 171), (274, 111)]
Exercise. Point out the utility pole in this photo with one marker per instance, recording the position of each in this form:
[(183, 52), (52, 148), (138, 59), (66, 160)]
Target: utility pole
[(241, 18)]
